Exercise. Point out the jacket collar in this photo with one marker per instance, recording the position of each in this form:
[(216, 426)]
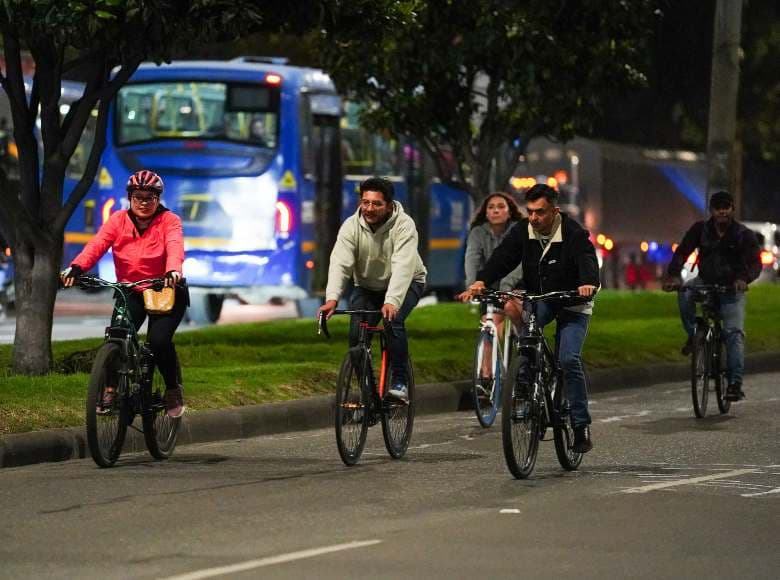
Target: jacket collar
[(556, 236)]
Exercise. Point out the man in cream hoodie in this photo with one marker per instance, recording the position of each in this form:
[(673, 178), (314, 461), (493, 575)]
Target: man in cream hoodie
[(377, 248)]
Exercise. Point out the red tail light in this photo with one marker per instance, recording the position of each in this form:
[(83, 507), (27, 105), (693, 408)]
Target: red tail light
[(283, 218), (767, 258)]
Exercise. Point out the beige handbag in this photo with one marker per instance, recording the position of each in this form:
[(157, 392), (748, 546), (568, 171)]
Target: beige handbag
[(159, 301)]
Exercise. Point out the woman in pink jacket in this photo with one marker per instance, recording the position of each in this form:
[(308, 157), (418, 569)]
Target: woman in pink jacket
[(147, 242)]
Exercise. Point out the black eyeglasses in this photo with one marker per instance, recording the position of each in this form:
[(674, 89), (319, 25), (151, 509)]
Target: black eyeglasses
[(144, 199)]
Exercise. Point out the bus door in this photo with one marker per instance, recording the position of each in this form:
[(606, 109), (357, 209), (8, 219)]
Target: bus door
[(322, 177)]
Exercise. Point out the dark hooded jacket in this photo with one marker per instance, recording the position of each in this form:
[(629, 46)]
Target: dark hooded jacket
[(569, 262), (722, 260)]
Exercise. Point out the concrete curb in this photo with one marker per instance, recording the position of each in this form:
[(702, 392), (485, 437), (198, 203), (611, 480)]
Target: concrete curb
[(317, 412)]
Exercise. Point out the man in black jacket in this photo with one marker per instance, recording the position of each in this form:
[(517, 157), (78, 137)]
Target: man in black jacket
[(556, 254), (729, 255)]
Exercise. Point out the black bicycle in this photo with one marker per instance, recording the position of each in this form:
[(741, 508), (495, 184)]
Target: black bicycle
[(708, 358), (124, 383), (360, 393), (535, 397)]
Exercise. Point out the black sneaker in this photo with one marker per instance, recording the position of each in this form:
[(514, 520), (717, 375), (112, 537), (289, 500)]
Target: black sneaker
[(687, 348), (734, 392), (582, 442)]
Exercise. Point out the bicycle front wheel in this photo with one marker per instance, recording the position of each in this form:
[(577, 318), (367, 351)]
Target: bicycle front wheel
[(486, 378), (563, 432), (398, 420), (520, 419), (160, 430), (353, 406), (721, 383), (107, 417), (700, 376)]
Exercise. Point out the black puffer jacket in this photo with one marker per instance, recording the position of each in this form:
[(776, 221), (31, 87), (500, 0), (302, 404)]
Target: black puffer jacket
[(722, 260), (568, 263)]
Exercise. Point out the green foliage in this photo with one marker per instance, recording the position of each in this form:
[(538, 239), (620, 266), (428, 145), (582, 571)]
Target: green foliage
[(477, 75)]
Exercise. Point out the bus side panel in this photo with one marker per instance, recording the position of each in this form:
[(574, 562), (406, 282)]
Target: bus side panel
[(448, 231)]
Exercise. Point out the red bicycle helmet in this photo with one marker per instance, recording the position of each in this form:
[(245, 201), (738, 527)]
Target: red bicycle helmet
[(145, 180)]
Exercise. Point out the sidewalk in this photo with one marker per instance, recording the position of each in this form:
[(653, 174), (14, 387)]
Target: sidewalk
[(317, 412)]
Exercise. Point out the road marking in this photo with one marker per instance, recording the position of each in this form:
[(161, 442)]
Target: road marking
[(271, 560), (775, 490), (622, 417), (687, 481), (509, 511)]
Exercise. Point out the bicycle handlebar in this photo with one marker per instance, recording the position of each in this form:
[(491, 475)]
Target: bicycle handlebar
[(705, 288), (86, 281), (322, 321), (555, 295)]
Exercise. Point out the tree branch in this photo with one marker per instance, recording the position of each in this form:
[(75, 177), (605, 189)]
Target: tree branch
[(90, 170)]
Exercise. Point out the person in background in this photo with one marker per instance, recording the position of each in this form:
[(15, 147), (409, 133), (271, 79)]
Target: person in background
[(496, 215), (729, 255)]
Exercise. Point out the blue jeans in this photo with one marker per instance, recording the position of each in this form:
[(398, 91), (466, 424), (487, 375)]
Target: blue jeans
[(398, 345), (732, 311), (571, 329)]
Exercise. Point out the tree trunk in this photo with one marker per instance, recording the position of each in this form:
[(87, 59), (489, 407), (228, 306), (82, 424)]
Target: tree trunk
[(480, 186), (36, 268)]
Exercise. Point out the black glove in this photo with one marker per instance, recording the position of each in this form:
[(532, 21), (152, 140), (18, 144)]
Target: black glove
[(70, 274), (172, 278)]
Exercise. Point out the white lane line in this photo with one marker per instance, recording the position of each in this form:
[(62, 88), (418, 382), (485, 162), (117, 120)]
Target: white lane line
[(622, 417), (775, 490), (687, 481), (271, 560)]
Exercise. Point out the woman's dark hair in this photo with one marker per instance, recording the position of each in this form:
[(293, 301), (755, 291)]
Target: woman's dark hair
[(380, 184), (541, 190), (480, 217)]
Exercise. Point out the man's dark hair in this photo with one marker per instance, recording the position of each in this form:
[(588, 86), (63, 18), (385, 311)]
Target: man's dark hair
[(540, 190), (380, 184), (721, 199)]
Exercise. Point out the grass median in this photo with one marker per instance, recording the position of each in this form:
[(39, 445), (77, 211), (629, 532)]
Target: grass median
[(248, 364)]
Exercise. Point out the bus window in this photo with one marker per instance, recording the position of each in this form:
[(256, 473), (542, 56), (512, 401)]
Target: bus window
[(78, 161), (198, 110), (364, 153)]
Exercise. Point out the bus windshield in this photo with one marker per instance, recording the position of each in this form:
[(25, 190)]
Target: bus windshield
[(243, 113)]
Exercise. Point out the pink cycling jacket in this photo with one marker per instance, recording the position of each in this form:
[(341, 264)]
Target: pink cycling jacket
[(158, 250)]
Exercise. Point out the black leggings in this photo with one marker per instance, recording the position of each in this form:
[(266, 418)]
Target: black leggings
[(160, 333)]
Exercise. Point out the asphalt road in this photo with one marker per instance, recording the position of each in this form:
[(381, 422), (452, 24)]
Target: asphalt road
[(662, 495)]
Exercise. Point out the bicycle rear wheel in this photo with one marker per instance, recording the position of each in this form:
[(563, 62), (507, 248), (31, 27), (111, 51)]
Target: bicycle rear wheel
[(520, 419), (107, 425), (398, 419), (721, 383), (563, 432), (700, 375), (353, 406), (486, 389), (160, 430)]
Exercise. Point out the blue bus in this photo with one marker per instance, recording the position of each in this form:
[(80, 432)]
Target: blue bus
[(261, 160)]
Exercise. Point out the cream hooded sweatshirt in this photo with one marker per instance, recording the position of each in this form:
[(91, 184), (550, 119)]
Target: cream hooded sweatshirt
[(386, 259)]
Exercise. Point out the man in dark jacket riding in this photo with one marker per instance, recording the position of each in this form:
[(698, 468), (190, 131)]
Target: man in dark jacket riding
[(556, 254), (729, 255)]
